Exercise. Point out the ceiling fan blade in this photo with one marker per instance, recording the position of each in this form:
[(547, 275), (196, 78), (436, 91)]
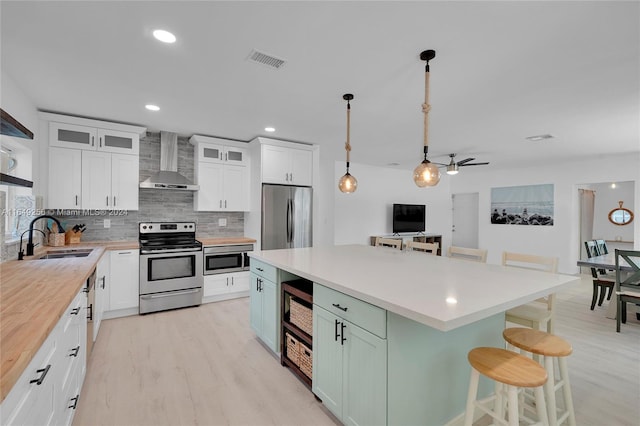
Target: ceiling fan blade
[(473, 164), (466, 160), (439, 164)]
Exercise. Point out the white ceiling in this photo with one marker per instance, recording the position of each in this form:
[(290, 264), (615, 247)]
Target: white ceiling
[(503, 71)]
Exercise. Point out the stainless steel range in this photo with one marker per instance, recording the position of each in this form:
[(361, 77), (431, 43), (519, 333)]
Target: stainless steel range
[(170, 266)]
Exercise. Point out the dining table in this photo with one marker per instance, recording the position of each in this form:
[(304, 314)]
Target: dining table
[(607, 262)]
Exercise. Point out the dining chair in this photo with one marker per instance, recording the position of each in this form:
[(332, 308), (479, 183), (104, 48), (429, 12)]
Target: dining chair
[(601, 246), (539, 313), (601, 286), (627, 283), (389, 242), (429, 248), (477, 255)]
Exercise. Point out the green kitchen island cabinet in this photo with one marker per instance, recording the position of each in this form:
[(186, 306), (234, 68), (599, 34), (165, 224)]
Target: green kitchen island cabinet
[(409, 321), (349, 362), (264, 304)]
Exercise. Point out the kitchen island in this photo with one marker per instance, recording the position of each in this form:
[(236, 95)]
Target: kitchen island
[(433, 311)]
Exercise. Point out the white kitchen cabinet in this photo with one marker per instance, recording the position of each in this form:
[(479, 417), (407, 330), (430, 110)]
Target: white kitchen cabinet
[(222, 173), (92, 180), (96, 180), (124, 283), (44, 392), (109, 181), (225, 286), (102, 286), (211, 152), (287, 165), (65, 178), (68, 135)]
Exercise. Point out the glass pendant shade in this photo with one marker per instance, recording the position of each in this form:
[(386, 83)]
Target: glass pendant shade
[(348, 183), (426, 174)]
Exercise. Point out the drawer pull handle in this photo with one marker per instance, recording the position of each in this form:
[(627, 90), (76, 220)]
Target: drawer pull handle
[(342, 338), (75, 311), (260, 269), (336, 328), (337, 305), (75, 402), (40, 379), (90, 312), (75, 351)]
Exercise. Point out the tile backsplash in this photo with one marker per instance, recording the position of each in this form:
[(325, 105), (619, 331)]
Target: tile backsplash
[(156, 205)]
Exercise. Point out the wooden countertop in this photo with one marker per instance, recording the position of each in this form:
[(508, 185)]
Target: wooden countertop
[(225, 240), (33, 297), (35, 293)]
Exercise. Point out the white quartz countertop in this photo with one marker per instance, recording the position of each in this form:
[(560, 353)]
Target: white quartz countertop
[(416, 285)]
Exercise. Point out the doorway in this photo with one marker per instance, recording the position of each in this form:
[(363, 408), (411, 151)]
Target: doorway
[(464, 228)]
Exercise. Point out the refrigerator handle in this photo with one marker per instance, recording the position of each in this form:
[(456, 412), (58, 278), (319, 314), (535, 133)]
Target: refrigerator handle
[(293, 222), (288, 220)]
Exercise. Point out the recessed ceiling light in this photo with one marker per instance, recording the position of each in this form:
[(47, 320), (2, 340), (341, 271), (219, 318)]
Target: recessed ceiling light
[(452, 300), (613, 186), (151, 107), (539, 137), (164, 36), (269, 129)]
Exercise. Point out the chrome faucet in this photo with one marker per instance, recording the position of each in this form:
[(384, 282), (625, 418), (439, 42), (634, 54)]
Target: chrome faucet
[(30, 242)]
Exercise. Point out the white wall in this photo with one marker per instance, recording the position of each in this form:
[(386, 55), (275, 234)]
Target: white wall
[(367, 211), (561, 239)]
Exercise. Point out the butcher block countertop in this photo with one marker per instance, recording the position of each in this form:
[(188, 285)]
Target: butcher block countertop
[(225, 240), (34, 295)]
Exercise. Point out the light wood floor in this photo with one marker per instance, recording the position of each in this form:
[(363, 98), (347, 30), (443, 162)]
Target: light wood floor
[(204, 366)]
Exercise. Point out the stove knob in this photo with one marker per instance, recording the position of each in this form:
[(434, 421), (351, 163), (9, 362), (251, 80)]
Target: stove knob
[(185, 226), (144, 226), (150, 226), (190, 226)]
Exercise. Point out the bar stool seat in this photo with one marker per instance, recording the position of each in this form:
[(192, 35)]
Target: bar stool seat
[(550, 347), (508, 369)]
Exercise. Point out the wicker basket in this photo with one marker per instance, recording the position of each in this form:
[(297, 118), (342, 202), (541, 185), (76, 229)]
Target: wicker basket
[(305, 357), (301, 316), (56, 239), (293, 348)]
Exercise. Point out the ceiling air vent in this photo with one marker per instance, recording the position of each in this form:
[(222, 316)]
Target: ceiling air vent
[(264, 59), (539, 138)]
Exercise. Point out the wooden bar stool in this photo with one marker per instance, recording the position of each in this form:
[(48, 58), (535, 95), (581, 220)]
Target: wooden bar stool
[(550, 347), (508, 369)]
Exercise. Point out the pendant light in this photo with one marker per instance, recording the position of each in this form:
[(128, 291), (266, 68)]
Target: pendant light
[(427, 173), (348, 183)]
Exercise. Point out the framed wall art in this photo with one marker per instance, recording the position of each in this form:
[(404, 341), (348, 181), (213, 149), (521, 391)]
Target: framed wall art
[(522, 205)]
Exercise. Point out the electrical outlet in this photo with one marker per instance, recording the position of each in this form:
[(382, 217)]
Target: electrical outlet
[(107, 223), (222, 221)]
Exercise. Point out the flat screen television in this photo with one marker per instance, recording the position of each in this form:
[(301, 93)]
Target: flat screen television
[(408, 218)]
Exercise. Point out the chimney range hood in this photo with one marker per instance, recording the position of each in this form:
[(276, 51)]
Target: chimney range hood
[(168, 176)]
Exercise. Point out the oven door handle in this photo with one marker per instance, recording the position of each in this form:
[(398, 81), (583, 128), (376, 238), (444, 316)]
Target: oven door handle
[(173, 293)]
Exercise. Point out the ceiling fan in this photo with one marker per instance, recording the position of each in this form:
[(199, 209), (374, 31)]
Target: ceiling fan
[(452, 167)]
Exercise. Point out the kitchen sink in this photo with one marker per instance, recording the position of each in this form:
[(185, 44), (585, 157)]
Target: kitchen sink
[(63, 254)]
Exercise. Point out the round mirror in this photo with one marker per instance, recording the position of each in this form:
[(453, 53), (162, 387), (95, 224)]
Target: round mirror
[(621, 215)]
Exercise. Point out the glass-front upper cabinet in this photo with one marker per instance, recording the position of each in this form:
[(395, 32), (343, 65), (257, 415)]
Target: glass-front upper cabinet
[(214, 153), (66, 135), (72, 136)]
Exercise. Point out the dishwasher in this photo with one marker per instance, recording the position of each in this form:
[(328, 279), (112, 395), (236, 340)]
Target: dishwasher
[(91, 300)]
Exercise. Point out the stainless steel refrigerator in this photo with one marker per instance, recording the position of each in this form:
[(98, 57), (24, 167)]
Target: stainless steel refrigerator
[(286, 216)]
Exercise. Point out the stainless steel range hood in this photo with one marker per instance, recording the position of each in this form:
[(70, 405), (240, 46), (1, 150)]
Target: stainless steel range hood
[(168, 176)]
